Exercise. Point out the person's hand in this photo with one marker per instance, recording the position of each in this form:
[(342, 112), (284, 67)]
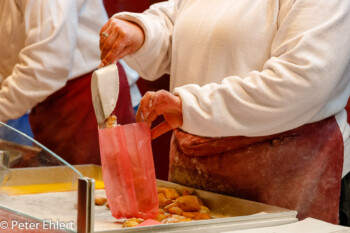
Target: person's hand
[(158, 103), (119, 38)]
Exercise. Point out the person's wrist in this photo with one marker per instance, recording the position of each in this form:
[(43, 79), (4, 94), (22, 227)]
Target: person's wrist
[(139, 30)]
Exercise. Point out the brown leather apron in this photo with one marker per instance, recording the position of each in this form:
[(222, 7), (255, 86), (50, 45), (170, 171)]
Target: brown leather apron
[(66, 123), (299, 169)]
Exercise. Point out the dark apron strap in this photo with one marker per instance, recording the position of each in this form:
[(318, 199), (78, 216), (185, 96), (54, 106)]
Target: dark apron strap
[(344, 206), (66, 123), (299, 169)]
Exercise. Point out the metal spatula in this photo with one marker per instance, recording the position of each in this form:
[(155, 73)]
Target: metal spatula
[(105, 91)]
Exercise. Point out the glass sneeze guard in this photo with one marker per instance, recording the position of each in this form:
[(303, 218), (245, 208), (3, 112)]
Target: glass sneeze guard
[(39, 190)]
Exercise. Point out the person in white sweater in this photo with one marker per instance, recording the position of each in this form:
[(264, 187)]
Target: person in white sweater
[(270, 76), (49, 50)]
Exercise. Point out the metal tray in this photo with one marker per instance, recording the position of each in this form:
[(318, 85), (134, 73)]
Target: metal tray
[(229, 213)]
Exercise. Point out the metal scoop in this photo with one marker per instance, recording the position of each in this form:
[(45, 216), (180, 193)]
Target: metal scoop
[(105, 91)]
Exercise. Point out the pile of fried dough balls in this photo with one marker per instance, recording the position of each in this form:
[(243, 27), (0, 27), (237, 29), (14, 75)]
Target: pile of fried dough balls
[(173, 208)]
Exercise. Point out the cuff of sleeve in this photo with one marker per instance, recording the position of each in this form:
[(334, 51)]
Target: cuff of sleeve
[(188, 112)]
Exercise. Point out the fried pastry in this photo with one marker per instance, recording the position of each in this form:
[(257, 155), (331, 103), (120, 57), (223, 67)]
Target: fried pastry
[(171, 194), (111, 121), (163, 201), (131, 222), (189, 203), (100, 200)]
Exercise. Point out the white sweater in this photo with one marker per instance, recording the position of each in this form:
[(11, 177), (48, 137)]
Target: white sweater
[(250, 67), (44, 44)]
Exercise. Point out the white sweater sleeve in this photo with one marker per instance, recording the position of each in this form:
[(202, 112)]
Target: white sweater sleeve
[(310, 56), (153, 59), (46, 58)]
